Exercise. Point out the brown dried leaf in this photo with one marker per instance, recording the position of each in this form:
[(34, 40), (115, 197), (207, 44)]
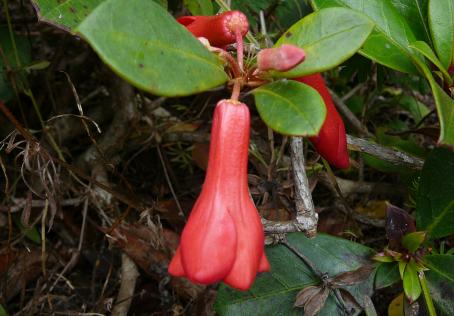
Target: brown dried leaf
[(200, 155), (19, 268), (306, 294), (180, 127), (332, 224), (316, 303), (138, 241), (25, 216), (373, 208), (352, 277), (349, 299)]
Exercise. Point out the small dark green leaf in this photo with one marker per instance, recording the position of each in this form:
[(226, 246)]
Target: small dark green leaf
[(425, 49), (15, 66), (402, 266), (412, 287), (435, 197), (29, 232), (413, 241), (382, 257), (417, 109), (440, 279), (39, 65), (445, 110), (151, 50), (388, 43), (328, 36), (199, 7), (441, 21), (290, 107), (274, 293), (387, 275), (3, 311)]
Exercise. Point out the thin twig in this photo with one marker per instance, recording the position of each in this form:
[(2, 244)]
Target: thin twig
[(350, 116), (76, 255), (169, 183), (129, 275), (305, 259), (305, 211), (393, 156)]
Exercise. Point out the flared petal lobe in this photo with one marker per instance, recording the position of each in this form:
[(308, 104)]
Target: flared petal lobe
[(223, 238), (219, 29), (331, 142)]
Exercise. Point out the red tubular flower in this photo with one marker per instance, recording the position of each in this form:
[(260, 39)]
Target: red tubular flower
[(223, 238), (281, 58), (331, 142), (219, 30)]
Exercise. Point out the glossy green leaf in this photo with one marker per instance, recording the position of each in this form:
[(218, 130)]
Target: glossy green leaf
[(435, 197), (387, 274), (425, 49), (388, 43), (441, 21), (413, 241), (445, 107), (67, 14), (417, 109), (412, 287), (440, 279), (151, 50), (402, 265), (199, 7), (329, 37), (290, 107), (274, 293), (415, 14), (445, 111)]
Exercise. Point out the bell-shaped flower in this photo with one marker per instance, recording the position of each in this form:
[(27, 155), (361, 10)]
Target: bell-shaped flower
[(331, 142), (223, 239)]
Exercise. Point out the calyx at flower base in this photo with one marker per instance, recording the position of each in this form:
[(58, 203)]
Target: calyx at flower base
[(223, 239)]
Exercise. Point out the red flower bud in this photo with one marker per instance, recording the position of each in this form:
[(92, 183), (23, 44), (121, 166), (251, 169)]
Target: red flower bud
[(331, 142), (223, 238), (281, 58), (220, 30)]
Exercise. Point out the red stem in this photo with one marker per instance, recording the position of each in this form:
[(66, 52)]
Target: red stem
[(239, 48)]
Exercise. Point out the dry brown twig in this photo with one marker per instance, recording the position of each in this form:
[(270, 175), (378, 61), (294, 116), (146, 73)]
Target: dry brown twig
[(129, 275), (306, 217)]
